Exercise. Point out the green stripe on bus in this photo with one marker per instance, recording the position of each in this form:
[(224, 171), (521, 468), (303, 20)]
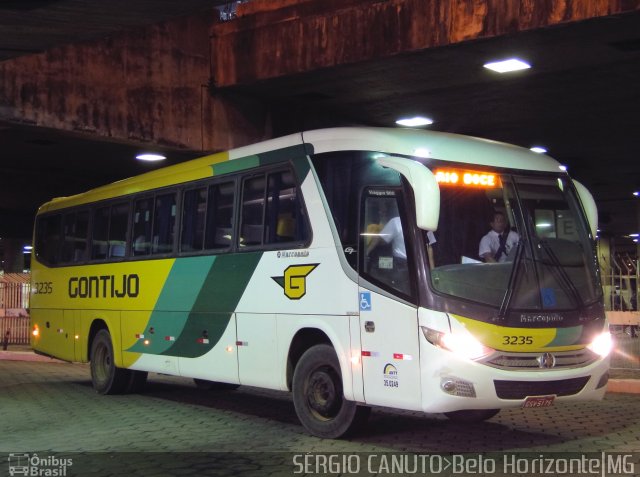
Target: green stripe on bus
[(263, 159), (566, 336), (217, 301), (179, 294), (235, 165)]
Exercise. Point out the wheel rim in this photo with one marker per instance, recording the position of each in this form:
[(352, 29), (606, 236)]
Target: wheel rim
[(103, 363), (324, 394)]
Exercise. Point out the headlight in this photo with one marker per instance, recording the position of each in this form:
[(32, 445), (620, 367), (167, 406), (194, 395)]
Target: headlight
[(602, 344), (462, 344)]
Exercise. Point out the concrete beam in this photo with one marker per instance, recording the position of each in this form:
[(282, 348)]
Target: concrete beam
[(273, 38), (146, 86)]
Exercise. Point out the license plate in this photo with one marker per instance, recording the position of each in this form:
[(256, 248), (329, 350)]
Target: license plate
[(538, 401)]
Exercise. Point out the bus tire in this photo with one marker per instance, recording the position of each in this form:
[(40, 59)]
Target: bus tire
[(471, 415), (318, 395), (214, 385), (105, 376)]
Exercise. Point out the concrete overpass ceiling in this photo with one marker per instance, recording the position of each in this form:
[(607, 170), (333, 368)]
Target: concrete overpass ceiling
[(580, 100), (34, 26)]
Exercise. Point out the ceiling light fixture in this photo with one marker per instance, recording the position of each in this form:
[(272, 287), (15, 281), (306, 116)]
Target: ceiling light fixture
[(636, 193), (538, 149), (414, 122), (507, 66), (150, 157)]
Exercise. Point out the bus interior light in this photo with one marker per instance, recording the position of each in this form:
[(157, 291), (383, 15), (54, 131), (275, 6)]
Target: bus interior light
[(602, 344)]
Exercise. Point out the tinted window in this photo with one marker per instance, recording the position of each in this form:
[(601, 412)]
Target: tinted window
[(251, 225), (100, 235), (385, 259), (284, 219), (75, 231), (48, 238), (220, 216), (142, 215), (194, 208), (164, 224), (118, 230)]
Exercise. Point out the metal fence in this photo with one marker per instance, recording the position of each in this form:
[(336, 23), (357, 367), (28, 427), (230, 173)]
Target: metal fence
[(14, 309), (15, 329)]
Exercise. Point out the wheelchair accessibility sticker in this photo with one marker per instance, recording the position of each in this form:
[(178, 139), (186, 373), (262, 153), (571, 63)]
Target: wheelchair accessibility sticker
[(365, 301)]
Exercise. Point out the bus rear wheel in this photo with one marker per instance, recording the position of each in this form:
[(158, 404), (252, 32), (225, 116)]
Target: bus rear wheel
[(471, 415), (318, 395), (105, 376)]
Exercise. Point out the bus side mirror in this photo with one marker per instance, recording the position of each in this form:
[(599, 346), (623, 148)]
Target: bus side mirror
[(425, 189), (589, 206)]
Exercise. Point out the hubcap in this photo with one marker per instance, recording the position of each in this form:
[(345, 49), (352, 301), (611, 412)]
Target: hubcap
[(102, 363), (323, 394)]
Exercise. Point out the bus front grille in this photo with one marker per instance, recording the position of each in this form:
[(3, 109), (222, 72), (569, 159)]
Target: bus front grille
[(541, 361), (522, 389)]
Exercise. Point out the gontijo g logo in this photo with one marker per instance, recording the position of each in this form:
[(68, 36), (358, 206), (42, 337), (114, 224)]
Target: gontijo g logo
[(294, 281)]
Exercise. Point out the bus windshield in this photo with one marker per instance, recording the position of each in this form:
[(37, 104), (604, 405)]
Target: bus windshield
[(512, 241)]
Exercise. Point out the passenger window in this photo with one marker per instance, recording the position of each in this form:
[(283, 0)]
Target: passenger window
[(284, 218), (164, 224), (142, 214), (109, 235), (48, 239), (118, 230), (100, 235), (75, 230), (220, 216), (251, 225), (194, 210), (382, 238)]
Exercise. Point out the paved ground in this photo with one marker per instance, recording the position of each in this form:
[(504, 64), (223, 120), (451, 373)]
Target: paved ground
[(49, 408)]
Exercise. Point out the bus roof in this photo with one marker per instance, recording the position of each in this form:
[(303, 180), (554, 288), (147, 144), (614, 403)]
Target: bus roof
[(410, 142)]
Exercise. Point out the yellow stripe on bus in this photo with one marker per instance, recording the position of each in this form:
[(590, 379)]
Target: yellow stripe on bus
[(515, 339)]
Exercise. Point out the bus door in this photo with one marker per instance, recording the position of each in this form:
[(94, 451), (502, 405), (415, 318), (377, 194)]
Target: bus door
[(388, 320)]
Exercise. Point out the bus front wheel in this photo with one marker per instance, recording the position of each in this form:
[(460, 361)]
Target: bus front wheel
[(318, 395), (105, 376), (471, 415)]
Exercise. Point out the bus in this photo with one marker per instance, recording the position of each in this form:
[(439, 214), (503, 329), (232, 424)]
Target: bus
[(341, 265)]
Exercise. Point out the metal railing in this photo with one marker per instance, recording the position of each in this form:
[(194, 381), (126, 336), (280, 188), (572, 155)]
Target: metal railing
[(620, 280), (14, 310), (14, 330)]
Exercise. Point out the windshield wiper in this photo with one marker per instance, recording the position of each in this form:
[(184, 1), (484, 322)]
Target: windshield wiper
[(506, 300), (568, 284)]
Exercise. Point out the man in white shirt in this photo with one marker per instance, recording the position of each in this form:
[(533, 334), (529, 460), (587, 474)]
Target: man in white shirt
[(392, 233), (497, 243)]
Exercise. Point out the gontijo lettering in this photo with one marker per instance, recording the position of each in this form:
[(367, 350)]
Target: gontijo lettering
[(104, 286)]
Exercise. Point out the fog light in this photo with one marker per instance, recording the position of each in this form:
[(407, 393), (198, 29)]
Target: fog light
[(458, 387)]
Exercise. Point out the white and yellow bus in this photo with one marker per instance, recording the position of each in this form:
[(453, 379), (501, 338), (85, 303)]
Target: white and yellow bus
[(341, 265)]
